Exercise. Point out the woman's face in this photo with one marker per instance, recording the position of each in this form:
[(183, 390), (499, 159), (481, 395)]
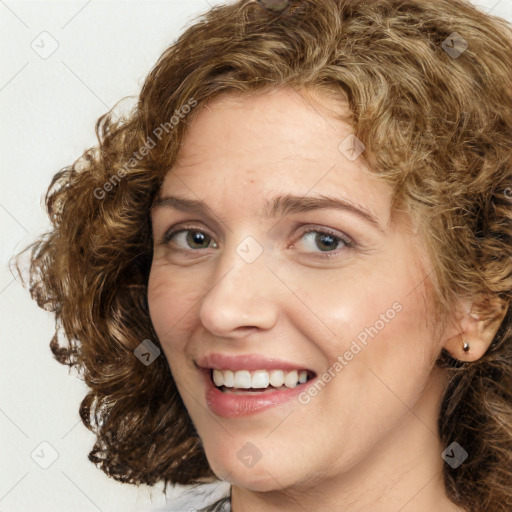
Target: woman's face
[(243, 286)]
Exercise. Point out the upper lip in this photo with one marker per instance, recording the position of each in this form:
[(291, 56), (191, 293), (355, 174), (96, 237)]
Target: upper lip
[(250, 362)]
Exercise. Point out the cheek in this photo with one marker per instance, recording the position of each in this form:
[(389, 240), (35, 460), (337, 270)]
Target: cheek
[(171, 300), (379, 357), (368, 320)]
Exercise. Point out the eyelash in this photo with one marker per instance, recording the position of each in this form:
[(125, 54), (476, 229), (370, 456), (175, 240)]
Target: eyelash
[(349, 244)]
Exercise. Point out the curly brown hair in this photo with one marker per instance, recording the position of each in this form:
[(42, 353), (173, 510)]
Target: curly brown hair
[(436, 120)]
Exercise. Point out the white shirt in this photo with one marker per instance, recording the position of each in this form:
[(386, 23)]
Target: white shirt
[(194, 498)]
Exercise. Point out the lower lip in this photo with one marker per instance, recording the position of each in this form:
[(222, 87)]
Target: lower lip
[(232, 405)]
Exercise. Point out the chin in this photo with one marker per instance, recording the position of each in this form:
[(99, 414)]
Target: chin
[(262, 477)]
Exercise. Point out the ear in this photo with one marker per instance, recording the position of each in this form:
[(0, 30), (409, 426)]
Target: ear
[(476, 329)]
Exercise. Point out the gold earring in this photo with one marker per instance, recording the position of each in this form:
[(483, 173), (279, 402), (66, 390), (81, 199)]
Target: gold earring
[(465, 346)]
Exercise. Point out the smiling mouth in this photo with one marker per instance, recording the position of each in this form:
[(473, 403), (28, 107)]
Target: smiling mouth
[(258, 381)]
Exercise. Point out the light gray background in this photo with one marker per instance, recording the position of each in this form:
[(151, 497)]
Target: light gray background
[(49, 107)]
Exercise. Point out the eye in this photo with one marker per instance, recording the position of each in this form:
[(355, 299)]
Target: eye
[(189, 238), (325, 240)]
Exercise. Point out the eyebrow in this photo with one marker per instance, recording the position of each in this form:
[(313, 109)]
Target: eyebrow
[(279, 205)]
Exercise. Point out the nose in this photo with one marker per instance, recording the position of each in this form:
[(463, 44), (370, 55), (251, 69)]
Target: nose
[(244, 296)]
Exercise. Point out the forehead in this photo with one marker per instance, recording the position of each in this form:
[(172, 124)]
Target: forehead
[(277, 142), (275, 125)]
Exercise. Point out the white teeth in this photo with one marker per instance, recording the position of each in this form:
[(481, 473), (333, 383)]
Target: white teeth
[(259, 379), (277, 378), (229, 378), (290, 379), (242, 379), (218, 378)]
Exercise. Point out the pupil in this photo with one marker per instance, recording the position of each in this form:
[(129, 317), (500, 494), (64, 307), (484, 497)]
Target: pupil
[(196, 237), (330, 240)]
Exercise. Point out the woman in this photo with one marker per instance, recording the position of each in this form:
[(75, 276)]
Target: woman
[(289, 268)]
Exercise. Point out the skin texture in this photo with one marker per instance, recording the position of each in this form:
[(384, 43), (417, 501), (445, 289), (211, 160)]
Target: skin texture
[(368, 440)]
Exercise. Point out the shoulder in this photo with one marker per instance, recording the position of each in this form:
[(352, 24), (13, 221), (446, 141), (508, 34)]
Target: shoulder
[(194, 498)]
